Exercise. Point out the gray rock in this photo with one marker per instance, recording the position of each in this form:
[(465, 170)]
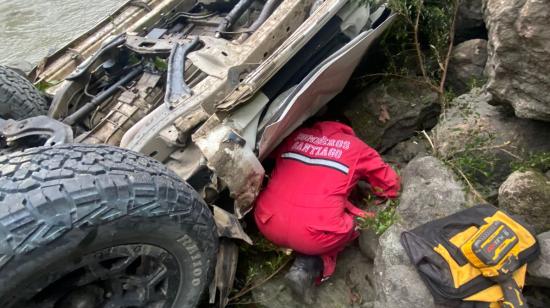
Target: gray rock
[(518, 64), (405, 151), (469, 21), (527, 194), (539, 270), (430, 191), (466, 65), (368, 243), (397, 283), (391, 111), (474, 128), (350, 286)]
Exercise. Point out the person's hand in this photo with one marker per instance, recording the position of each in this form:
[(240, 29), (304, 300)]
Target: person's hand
[(369, 214), (364, 188)]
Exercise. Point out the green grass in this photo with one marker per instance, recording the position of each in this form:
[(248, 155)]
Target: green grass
[(255, 263), (43, 85), (160, 64), (536, 161), (383, 219)]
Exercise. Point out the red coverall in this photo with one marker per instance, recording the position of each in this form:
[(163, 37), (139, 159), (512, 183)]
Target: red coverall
[(305, 205)]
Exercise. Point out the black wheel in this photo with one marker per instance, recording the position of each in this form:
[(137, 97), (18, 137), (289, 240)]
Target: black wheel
[(19, 99), (99, 226)]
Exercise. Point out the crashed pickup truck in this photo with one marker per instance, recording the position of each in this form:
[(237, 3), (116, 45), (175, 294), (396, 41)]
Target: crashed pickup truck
[(131, 155)]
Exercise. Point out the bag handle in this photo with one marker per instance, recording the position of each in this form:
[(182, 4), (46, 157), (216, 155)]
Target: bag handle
[(513, 298)]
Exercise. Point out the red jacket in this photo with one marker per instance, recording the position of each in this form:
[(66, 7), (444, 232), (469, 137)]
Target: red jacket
[(305, 204)]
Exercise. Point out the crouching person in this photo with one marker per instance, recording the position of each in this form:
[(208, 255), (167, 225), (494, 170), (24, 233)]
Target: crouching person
[(305, 205)]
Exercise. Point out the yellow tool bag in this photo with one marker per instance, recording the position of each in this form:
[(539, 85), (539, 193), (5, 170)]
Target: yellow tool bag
[(475, 258)]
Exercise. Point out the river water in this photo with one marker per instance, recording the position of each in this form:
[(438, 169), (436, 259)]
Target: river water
[(29, 29)]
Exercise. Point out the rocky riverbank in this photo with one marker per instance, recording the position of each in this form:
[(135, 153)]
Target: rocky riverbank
[(491, 143)]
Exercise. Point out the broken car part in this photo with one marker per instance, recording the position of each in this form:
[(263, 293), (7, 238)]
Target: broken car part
[(229, 103), (311, 93), (144, 135), (226, 268), (39, 126)]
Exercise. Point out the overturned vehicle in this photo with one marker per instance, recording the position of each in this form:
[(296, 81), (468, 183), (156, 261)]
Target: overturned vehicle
[(123, 184)]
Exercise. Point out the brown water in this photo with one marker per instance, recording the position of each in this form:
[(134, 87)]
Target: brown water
[(29, 29)]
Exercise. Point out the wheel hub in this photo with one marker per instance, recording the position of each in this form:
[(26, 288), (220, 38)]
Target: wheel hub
[(136, 275)]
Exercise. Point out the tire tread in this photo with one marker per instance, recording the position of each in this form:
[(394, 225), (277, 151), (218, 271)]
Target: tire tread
[(87, 185), (20, 96)]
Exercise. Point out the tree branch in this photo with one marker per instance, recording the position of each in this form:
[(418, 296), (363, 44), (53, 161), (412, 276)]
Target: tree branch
[(450, 49), (434, 150), (470, 185), (416, 28), (246, 290)]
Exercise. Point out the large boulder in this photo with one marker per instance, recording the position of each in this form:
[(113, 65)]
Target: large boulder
[(397, 282), (481, 134), (430, 191), (539, 270), (368, 243), (350, 286), (527, 194), (391, 111), (403, 152), (466, 65), (469, 21), (518, 65)]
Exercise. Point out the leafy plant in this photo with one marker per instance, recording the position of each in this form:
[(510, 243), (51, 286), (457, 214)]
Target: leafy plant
[(160, 64), (471, 158), (537, 161), (256, 262), (418, 45), (476, 82), (44, 85), (383, 219)]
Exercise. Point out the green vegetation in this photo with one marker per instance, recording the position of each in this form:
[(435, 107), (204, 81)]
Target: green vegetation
[(262, 259), (160, 64), (421, 40), (475, 163), (43, 85), (471, 156), (536, 161), (476, 82), (257, 263), (383, 219)]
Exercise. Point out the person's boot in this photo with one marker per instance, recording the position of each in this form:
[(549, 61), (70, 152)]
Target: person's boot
[(301, 277)]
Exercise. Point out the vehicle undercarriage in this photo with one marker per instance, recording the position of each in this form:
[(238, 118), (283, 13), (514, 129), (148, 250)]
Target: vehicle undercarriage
[(208, 89)]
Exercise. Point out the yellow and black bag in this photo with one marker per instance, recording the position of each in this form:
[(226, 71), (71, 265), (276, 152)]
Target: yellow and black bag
[(475, 258)]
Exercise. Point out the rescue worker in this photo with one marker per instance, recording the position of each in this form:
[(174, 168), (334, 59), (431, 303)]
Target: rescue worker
[(305, 205)]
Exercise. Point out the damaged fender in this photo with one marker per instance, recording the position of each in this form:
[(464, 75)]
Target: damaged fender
[(232, 161), (228, 145), (229, 226), (226, 267)]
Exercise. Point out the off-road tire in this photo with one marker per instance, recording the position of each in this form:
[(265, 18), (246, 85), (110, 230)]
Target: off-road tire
[(60, 203), (19, 99)]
